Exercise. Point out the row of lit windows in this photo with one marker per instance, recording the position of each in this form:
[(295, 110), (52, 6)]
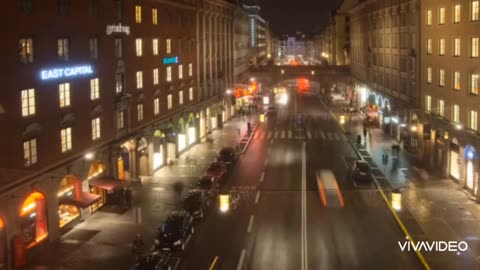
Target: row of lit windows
[(455, 112), (456, 83), (456, 46), (168, 77), (30, 146), (456, 13), (63, 48)]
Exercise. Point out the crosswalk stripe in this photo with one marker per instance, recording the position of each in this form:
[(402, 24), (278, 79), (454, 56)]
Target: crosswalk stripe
[(269, 136), (283, 134), (289, 134), (309, 134), (322, 134), (330, 137), (337, 137)]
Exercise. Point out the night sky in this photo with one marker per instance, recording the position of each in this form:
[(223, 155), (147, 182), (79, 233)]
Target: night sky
[(289, 16)]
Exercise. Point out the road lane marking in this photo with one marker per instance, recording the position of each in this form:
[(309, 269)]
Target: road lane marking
[(214, 263), (240, 261), (339, 194), (261, 177), (250, 224), (257, 197), (304, 250), (330, 137), (321, 190), (290, 134)]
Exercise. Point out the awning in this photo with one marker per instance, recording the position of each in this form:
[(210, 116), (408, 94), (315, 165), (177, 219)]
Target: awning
[(86, 199), (105, 183)]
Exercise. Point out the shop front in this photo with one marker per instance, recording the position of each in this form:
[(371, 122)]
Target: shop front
[(33, 219), (471, 174), (440, 156), (158, 153), (108, 190), (3, 246), (203, 127), (143, 157), (191, 129), (455, 160), (181, 136), (71, 200), (123, 163)]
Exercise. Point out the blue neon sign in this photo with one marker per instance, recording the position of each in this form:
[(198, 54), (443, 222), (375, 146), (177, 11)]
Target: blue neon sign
[(66, 72), (170, 60)]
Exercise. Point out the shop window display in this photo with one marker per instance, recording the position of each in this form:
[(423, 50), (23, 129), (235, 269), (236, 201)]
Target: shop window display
[(67, 213)]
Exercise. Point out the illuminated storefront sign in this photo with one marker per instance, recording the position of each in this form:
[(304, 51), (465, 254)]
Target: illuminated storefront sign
[(67, 72), (170, 60), (119, 28)]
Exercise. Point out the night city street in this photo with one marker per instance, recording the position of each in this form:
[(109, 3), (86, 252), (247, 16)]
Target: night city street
[(240, 135)]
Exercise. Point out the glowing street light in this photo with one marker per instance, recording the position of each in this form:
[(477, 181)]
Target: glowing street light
[(224, 203), (282, 71), (313, 72), (89, 156), (262, 118), (397, 200), (252, 79), (342, 119), (229, 92), (413, 128)]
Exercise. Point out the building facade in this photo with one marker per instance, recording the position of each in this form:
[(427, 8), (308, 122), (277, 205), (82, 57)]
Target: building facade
[(258, 35), (241, 50), (448, 123), (97, 95)]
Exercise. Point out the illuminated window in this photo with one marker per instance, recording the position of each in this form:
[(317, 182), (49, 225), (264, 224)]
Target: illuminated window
[(26, 50), (474, 84), (66, 139), (429, 17), (154, 16), (190, 69), (93, 48), (429, 46), (28, 102), (456, 47), (118, 82), (169, 74), (190, 93), (156, 106), (441, 15), (428, 103), (473, 120), (456, 80), (441, 46), (168, 45), (62, 48), (118, 48), (456, 13), (138, 14), (475, 10), (120, 120), (139, 47), (429, 75), (180, 97), (180, 71), (155, 46), (30, 152), (94, 89), (441, 77), (155, 76), (140, 112), (474, 47), (139, 79), (64, 94), (441, 107), (456, 113), (96, 128), (169, 101)]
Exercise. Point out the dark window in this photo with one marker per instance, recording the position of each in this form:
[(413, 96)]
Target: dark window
[(26, 50), (93, 47), (93, 8), (63, 7), (118, 48), (26, 6), (179, 46), (118, 9)]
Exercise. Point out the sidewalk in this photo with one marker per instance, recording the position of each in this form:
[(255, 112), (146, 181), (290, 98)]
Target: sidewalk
[(442, 209), (103, 240)]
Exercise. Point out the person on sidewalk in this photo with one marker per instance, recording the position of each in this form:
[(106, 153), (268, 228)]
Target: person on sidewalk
[(249, 128)]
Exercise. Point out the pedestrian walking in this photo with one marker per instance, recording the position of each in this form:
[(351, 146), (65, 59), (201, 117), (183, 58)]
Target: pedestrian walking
[(249, 127)]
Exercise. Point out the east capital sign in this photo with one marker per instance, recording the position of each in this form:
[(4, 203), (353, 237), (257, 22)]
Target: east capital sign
[(66, 72)]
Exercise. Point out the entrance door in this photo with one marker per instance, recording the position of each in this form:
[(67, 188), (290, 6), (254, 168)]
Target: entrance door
[(470, 175), (454, 168), (144, 165)]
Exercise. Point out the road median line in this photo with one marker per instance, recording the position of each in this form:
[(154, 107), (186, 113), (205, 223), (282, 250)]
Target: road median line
[(214, 263), (400, 223)]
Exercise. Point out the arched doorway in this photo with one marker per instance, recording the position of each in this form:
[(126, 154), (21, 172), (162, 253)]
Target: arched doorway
[(70, 188), (143, 157), (123, 161), (471, 175), (33, 218), (3, 246)]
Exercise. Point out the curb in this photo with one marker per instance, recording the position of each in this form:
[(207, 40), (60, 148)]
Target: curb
[(249, 140), (402, 226)]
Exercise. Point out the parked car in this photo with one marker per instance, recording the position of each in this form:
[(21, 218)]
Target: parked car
[(217, 169), (228, 156), (174, 233), (361, 171), (153, 261), (209, 185), (196, 203)]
